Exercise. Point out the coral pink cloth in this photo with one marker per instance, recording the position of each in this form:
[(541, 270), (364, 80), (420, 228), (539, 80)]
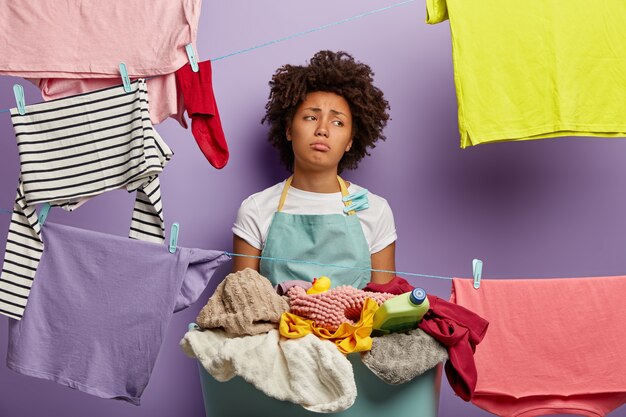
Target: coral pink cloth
[(459, 330), (396, 286), (206, 126), (555, 346), (89, 39), (329, 309), (164, 99)]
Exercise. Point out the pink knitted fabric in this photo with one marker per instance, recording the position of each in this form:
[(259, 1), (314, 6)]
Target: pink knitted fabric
[(333, 307)]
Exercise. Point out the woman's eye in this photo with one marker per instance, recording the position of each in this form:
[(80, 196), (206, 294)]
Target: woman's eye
[(338, 123), (309, 117)]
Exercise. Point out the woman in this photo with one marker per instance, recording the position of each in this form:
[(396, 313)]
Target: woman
[(323, 117)]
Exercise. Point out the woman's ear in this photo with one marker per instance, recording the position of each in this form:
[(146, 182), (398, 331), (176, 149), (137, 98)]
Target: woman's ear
[(349, 145), (288, 133)]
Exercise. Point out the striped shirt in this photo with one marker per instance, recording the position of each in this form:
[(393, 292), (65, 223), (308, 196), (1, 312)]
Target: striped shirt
[(73, 149)]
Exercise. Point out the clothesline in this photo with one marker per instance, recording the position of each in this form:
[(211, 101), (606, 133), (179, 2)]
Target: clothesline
[(267, 258), (296, 35)]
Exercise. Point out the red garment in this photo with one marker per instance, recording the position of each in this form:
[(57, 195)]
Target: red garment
[(460, 330), (197, 91), (396, 286)]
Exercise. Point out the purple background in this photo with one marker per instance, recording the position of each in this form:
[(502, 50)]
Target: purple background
[(549, 208)]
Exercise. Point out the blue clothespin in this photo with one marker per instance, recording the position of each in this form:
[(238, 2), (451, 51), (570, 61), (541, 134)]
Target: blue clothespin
[(43, 213), (192, 326), (18, 91), (477, 272), (192, 57), (174, 237), (125, 78), (359, 201)]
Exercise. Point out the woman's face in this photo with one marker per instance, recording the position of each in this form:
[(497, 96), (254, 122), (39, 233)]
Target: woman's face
[(320, 131)]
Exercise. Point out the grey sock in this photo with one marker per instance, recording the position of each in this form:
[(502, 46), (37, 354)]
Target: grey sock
[(397, 358)]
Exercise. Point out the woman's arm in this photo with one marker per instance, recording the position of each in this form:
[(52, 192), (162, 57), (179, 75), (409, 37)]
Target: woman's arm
[(244, 248), (384, 259)]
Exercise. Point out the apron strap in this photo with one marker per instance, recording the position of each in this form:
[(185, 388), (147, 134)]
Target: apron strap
[(342, 185)]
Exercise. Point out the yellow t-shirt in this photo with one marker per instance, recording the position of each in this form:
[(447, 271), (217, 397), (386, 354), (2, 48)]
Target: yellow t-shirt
[(531, 69)]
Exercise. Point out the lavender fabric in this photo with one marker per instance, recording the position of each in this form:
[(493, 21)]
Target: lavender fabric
[(99, 309), (284, 286)]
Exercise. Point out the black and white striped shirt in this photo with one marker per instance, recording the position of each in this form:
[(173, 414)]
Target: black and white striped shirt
[(73, 149)]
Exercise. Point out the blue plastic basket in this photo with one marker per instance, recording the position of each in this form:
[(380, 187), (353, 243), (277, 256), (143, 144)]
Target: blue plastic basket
[(237, 398)]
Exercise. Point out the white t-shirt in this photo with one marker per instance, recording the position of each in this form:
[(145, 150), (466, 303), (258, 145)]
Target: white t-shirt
[(256, 212)]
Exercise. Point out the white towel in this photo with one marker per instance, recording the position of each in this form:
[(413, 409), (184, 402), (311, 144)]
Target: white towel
[(306, 371)]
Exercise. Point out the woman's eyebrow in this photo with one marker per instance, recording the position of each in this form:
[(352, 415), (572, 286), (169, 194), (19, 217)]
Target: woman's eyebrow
[(317, 110)]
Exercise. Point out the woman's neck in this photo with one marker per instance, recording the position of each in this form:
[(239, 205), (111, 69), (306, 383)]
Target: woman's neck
[(316, 182)]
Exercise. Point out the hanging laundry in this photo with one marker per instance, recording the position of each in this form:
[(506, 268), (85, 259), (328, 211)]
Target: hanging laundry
[(84, 39), (244, 303), (71, 150), (459, 330), (164, 99), (535, 69), (306, 371), (100, 307), (197, 91), (555, 346), (77, 46)]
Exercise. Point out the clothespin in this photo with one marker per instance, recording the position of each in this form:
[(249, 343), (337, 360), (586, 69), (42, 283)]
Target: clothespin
[(43, 213), (174, 237), (192, 326), (477, 272), (125, 78), (191, 55), (18, 91), (358, 201)]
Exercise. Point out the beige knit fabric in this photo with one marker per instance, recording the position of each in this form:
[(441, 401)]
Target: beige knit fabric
[(245, 303)]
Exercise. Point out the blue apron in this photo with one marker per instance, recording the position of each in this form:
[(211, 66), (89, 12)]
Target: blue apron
[(336, 239)]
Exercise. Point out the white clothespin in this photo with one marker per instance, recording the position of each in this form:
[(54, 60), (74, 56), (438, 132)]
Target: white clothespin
[(125, 78), (192, 57), (174, 237), (477, 272), (18, 91)]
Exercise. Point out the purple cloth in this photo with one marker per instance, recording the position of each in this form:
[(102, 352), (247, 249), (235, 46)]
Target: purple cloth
[(99, 309), (284, 286)]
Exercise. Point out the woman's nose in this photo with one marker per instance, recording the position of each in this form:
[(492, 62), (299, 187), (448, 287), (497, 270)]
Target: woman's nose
[(321, 130)]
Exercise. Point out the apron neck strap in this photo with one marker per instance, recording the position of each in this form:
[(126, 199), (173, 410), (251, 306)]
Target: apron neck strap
[(342, 185)]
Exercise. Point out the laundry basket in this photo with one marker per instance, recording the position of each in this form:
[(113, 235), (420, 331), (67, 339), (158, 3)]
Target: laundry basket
[(238, 398)]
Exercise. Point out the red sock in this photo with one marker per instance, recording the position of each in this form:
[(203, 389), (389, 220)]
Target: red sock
[(197, 91)]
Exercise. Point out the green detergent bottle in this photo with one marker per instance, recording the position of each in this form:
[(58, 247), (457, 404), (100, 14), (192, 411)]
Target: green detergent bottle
[(401, 313)]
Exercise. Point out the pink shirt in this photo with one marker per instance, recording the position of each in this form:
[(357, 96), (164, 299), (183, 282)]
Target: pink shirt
[(89, 38)]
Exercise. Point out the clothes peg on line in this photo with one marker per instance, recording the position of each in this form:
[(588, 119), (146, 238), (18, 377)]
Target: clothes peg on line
[(125, 78), (18, 91), (174, 237), (477, 272), (193, 61), (43, 213)]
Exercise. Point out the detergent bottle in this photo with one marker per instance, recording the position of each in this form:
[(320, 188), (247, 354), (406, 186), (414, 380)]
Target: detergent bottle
[(401, 313)]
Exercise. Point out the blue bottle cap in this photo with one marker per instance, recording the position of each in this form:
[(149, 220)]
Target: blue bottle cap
[(417, 296)]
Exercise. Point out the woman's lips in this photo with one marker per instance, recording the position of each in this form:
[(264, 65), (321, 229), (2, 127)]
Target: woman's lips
[(319, 146)]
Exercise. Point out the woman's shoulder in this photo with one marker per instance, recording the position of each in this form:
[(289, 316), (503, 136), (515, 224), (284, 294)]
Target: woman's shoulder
[(264, 197)]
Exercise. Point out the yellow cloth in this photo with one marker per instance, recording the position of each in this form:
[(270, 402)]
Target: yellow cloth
[(348, 337), (536, 68)]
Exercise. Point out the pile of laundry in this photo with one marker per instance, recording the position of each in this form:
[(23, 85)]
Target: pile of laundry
[(292, 345)]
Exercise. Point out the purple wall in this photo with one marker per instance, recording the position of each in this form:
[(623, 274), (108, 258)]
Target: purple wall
[(549, 208)]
